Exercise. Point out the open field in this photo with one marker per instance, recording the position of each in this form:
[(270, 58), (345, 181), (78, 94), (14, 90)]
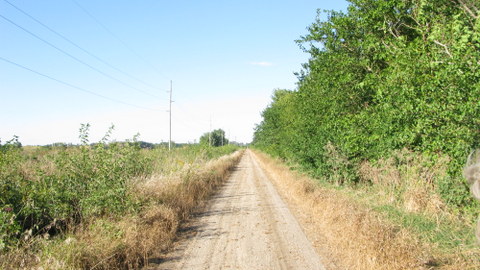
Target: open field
[(105, 206)]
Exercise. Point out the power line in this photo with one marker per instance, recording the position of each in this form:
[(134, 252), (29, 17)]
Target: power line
[(71, 56), (118, 38), (73, 86), (195, 118), (82, 49)]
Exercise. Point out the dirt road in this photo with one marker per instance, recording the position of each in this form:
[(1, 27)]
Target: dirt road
[(246, 226)]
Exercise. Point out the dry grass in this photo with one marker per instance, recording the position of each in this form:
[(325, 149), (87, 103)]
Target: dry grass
[(410, 185), (472, 173), (127, 243), (351, 235), (188, 188), (406, 190), (155, 228)]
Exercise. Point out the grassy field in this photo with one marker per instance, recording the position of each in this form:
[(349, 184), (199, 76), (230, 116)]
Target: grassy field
[(101, 206)]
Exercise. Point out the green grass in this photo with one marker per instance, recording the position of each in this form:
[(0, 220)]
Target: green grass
[(444, 233), (449, 234)]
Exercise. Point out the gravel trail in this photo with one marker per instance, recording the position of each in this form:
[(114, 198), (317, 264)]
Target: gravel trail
[(246, 226)]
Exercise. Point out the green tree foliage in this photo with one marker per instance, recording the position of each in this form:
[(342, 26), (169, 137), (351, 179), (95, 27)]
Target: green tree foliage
[(214, 138), (384, 75)]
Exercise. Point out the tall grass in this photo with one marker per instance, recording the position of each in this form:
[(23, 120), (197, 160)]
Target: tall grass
[(61, 199), (45, 191), (393, 219)]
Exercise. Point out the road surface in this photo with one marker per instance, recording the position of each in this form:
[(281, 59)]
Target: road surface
[(245, 226)]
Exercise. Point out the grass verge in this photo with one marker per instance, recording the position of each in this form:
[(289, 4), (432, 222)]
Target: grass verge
[(361, 229)]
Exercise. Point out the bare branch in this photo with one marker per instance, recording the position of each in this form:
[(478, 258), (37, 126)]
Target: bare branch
[(391, 32), (467, 7), (445, 47)]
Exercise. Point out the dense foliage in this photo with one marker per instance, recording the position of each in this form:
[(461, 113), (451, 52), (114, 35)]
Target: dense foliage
[(214, 138), (51, 189), (383, 76)]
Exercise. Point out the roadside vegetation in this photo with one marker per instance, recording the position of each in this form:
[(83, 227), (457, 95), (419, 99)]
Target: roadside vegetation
[(107, 205), (350, 230), (386, 112)]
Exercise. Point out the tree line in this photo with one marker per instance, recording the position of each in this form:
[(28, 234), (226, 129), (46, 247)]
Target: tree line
[(384, 75)]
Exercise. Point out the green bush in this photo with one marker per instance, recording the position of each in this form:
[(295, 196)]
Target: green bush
[(47, 190), (382, 76), (50, 189)]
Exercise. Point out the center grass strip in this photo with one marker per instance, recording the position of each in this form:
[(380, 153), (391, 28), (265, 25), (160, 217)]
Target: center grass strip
[(127, 243)]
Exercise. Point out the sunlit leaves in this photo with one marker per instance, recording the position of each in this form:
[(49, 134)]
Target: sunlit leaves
[(383, 76)]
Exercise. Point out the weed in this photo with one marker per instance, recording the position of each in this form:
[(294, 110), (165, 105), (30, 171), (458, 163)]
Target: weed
[(371, 226), (92, 206)]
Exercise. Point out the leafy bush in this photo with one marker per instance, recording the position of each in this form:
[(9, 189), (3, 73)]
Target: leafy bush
[(48, 190), (383, 76)]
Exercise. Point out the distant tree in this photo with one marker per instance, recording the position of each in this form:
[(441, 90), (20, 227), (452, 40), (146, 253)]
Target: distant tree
[(146, 145), (214, 138)]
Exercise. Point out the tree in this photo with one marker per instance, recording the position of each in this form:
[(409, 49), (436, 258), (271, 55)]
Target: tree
[(382, 76), (214, 138)]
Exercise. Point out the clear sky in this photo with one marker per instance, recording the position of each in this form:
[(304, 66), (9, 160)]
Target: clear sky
[(225, 58)]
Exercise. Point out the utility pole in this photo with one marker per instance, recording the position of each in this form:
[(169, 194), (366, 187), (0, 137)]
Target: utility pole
[(170, 138)]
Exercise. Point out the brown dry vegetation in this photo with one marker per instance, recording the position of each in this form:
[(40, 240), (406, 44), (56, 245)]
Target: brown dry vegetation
[(351, 234), (128, 242), (410, 185)]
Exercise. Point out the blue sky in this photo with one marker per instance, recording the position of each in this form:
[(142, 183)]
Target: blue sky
[(225, 58)]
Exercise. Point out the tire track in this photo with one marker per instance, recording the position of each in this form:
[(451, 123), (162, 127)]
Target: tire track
[(246, 226)]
